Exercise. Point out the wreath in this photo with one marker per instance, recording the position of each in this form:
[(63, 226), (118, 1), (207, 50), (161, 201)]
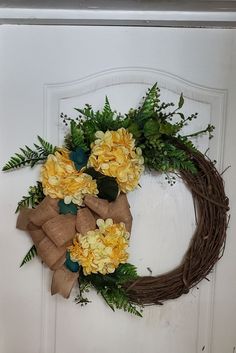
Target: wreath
[(78, 215)]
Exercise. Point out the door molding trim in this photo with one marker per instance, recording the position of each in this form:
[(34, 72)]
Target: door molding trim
[(134, 18)]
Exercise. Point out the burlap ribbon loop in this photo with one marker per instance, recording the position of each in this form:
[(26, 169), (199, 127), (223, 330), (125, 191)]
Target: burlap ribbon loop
[(52, 232)]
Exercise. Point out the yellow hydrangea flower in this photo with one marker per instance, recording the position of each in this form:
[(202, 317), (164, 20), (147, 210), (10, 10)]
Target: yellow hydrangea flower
[(61, 180), (101, 250), (114, 154)]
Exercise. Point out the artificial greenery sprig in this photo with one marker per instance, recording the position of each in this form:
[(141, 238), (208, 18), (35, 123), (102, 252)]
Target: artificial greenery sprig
[(29, 156), (110, 288), (34, 197), (29, 256)]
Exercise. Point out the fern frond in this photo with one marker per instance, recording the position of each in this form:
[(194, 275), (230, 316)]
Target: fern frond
[(116, 298), (107, 108), (29, 256), (125, 272), (34, 197), (46, 147), (29, 157), (149, 106), (77, 136), (110, 287), (87, 111)]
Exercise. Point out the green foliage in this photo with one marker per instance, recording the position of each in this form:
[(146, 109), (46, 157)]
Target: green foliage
[(34, 197), (29, 256), (89, 121), (156, 134), (116, 298), (103, 120), (29, 156), (149, 106), (110, 288), (125, 273), (77, 137), (152, 127), (166, 157)]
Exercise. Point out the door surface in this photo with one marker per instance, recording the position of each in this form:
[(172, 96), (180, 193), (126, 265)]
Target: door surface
[(48, 70)]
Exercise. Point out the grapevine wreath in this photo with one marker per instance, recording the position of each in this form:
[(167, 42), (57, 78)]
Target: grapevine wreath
[(78, 215)]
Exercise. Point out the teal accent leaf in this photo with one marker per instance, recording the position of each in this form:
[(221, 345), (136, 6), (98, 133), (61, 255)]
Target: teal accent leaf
[(67, 208), (79, 157), (71, 265)]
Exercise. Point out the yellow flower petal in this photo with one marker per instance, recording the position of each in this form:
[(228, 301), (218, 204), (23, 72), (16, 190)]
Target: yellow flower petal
[(61, 180), (101, 250), (114, 154)]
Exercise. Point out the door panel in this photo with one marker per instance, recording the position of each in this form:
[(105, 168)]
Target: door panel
[(47, 70)]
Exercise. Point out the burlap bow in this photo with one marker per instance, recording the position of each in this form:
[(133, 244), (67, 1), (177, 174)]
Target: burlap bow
[(52, 232)]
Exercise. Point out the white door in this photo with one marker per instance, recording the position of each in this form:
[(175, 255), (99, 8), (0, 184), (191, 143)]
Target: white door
[(46, 70)]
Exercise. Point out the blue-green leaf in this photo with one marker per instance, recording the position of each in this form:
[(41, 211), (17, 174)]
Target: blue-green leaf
[(71, 265), (79, 157), (64, 208)]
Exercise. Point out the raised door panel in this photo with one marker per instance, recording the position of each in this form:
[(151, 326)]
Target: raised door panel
[(163, 223), (46, 70)]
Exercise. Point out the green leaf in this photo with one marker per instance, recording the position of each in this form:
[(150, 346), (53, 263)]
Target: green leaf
[(181, 101), (151, 128), (29, 256), (181, 116), (169, 129), (107, 186), (135, 130), (93, 173)]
